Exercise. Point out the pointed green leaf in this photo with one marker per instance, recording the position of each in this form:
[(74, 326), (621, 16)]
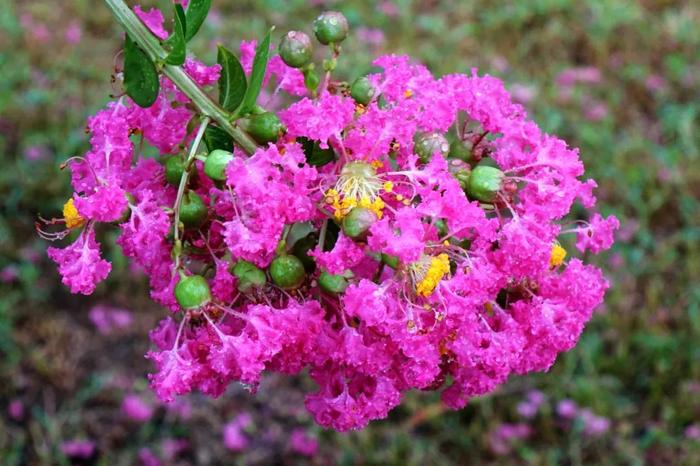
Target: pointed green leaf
[(176, 41), (197, 12), (140, 75), (217, 138), (262, 54), (232, 83), (315, 156)]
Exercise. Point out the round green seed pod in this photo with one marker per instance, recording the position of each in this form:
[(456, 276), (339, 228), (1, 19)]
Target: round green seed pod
[(174, 168), (461, 170), (357, 223), (192, 292), (193, 212), (249, 276), (287, 272), (362, 90), (461, 150), (301, 250), (215, 164), (427, 145), (331, 27), (264, 127), (295, 49), (484, 183), (332, 284)]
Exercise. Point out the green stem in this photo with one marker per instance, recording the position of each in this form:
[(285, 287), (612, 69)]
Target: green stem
[(150, 44), (183, 185)]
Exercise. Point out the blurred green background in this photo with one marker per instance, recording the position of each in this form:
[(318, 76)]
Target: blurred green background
[(618, 78)]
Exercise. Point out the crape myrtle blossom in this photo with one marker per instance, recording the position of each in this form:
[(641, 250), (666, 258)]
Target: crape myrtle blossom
[(383, 270)]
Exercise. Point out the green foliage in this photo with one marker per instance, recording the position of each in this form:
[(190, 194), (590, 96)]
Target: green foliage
[(176, 41), (262, 54), (232, 82), (140, 75)]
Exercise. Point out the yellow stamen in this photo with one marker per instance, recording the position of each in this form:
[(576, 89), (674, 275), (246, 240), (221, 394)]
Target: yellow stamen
[(408, 93), (557, 256), (377, 164), (388, 186), (438, 268), (71, 216)]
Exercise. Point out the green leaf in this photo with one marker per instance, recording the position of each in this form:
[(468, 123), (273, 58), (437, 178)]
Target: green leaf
[(315, 156), (232, 83), (140, 75), (176, 41), (262, 54), (217, 138), (197, 12)]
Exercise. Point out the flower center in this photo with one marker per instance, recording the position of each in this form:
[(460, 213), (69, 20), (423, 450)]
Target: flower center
[(427, 272), (357, 185), (71, 216), (557, 256)]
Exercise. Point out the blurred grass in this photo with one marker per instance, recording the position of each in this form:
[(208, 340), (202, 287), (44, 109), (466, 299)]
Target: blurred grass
[(638, 131)]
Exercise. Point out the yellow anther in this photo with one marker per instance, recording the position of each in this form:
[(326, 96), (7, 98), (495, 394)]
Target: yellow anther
[(446, 243), (71, 216), (557, 256), (408, 93), (399, 197), (388, 186), (438, 268), (377, 163)]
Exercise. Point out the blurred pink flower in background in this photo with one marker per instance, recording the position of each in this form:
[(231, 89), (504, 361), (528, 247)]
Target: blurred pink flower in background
[(74, 33), (107, 319), (523, 93), (9, 273), (304, 444), (595, 111), (136, 408), (36, 153), (579, 75), (390, 9), (16, 409), (181, 407), (567, 409), (36, 30), (173, 447), (655, 83), (234, 437), (594, 425), (370, 36), (529, 407), (506, 435), (82, 449), (148, 458), (692, 432)]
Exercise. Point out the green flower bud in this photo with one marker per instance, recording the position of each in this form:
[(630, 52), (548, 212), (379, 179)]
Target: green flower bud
[(192, 292), (265, 127), (215, 165), (332, 284), (357, 223), (295, 49), (426, 145), (461, 150), (461, 171), (193, 212), (249, 276), (331, 27), (287, 272), (174, 167), (484, 183), (362, 90)]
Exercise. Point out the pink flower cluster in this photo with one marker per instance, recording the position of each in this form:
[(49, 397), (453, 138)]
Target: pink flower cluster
[(475, 291)]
